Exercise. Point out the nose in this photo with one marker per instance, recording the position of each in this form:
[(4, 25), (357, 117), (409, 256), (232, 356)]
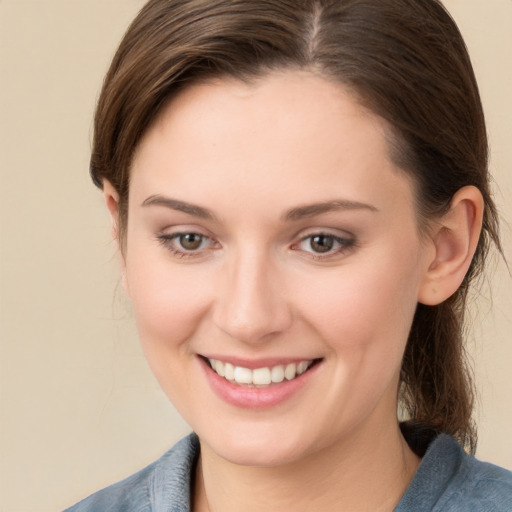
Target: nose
[(250, 304)]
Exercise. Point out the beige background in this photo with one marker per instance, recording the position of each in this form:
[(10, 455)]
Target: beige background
[(79, 408)]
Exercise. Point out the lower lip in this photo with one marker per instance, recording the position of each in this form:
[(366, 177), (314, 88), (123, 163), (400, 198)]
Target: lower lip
[(256, 398)]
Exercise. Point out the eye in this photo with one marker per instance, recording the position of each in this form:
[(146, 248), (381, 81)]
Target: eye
[(186, 244), (190, 241), (325, 244), (321, 243)]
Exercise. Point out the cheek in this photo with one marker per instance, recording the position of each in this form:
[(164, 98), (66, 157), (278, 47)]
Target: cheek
[(363, 314), (168, 299), (169, 302), (367, 303)]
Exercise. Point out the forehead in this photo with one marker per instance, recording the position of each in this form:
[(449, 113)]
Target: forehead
[(293, 135)]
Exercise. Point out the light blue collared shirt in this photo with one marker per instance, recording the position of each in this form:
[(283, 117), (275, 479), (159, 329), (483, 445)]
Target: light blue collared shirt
[(447, 480)]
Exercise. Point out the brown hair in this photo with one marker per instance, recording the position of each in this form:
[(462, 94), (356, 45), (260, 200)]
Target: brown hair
[(404, 59)]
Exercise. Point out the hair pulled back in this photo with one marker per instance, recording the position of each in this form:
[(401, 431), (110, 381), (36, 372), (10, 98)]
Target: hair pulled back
[(405, 60)]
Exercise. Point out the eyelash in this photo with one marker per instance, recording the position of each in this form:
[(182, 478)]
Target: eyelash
[(344, 244), (169, 241)]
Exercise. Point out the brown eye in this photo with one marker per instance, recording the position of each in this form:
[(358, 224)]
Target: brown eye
[(322, 243), (187, 244), (190, 241), (325, 245)]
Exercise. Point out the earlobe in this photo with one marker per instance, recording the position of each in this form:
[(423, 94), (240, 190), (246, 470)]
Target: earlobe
[(455, 238)]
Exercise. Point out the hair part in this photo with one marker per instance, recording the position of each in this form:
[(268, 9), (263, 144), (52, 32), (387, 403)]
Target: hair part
[(405, 60)]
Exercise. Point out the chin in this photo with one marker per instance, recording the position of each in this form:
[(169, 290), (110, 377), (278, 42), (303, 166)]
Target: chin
[(256, 455), (257, 447)]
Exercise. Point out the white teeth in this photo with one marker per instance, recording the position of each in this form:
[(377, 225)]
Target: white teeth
[(277, 374), (243, 375), (229, 371), (260, 377), (219, 368), (290, 371), (302, 367)]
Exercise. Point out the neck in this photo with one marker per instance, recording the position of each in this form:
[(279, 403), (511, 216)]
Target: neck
[(365, 472)]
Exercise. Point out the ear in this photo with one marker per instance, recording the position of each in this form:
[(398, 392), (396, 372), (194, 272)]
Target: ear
[(111, 197), (455, 238)]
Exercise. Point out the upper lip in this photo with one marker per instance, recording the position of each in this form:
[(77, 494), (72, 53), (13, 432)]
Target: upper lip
[(252, 364)]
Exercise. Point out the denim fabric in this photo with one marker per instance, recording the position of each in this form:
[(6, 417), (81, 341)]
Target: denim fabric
[(163, 486), (447, 480)]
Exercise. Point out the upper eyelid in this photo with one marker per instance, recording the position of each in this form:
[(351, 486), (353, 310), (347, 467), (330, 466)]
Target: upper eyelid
[(302, 234), (335, 232), (177, 234), (328, 232), (172, 232), (180, 229), (335, 237), (350, 240)]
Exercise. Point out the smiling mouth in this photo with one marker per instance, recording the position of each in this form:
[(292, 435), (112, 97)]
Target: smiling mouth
[(260, 377)]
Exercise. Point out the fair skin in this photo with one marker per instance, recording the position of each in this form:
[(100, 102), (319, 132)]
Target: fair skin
[(226, 259)]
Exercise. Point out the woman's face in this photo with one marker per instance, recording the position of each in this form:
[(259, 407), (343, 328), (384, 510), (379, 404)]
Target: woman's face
[(270, 232)]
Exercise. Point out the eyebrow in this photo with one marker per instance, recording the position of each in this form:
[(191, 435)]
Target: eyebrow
[(311, 210), (181, 206), (300, 212)]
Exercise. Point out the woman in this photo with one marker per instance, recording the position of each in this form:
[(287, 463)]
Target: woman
[(299, 191)]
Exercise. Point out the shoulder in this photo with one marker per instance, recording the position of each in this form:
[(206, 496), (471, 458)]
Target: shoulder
[(484, 486), (165, 481), (449, 480)]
